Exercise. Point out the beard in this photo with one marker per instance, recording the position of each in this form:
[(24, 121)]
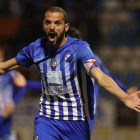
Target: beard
[(58, 39)]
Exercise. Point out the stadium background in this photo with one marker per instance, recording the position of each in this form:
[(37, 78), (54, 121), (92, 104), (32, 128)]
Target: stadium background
[(111, 27)]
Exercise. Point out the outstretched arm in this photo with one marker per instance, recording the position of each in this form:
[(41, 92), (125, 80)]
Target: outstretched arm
[(21, 92), (106, 71), (8, 66), (19, 80), (132, 101), (122, 86)]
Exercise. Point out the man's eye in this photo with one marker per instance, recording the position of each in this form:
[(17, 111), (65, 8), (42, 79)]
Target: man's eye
[(58, 23), (47, 22)]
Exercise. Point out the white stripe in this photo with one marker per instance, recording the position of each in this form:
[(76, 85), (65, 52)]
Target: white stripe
[(56, 107), (41, 98), (48, 110), (68, 84), (41, 108), (95, 101), (71, 94)]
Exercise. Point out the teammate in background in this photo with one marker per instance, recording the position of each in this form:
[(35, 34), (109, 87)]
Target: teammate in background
[(20, 80), (8, 100), (64, 106)]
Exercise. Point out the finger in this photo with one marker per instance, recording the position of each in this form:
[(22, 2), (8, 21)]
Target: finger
[(137, 92), (136, 109)]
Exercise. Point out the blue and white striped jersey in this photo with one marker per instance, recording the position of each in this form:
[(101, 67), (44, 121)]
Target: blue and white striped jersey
[(66, 89), (6, 91), (9, 94)]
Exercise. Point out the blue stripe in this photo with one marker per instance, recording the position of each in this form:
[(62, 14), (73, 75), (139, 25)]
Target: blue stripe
[(60, 101), (40, 68), (44, 96), (90, 91), (62, 68), (94, 66), (72, 70), (79, 74), (50, 96)]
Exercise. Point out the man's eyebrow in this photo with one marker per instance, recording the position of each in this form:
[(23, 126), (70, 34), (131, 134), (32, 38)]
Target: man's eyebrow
[(58, 20), (50, 21), (46, 20)]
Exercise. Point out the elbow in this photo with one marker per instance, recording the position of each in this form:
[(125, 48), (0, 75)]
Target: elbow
[(2, 72)]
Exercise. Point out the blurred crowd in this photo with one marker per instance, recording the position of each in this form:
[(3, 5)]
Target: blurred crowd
[(111, 23)]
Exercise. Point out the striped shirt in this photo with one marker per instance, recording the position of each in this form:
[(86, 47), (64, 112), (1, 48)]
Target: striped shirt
[(66, 89), (6, 92)]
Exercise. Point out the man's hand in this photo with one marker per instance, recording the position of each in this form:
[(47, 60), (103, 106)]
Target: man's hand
[(8, 110), (18, 79), (133, 101)]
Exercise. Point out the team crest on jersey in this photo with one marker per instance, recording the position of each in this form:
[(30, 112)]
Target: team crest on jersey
[(36, 137), (68, 58), (53, 63)]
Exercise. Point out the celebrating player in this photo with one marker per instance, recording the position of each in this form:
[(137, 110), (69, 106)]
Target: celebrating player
[(64, 106), (20, 80)]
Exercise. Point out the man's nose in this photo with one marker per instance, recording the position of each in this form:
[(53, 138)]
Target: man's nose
[(52, 26)]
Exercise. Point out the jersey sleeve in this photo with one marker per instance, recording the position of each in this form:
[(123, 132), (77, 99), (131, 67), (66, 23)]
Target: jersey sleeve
[(21, 92), (34, 84), (24, 57), (102, 66), (87, 57)]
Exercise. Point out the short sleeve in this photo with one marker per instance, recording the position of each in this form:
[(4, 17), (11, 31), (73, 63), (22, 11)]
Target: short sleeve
[(102, 66), (86, 56), (24, 57)]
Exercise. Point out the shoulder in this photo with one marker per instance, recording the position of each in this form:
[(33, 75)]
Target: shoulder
[(78, 43), (40, 42), (35, 46)]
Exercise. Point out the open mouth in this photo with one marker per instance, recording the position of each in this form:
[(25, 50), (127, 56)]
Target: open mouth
[(52, 36)]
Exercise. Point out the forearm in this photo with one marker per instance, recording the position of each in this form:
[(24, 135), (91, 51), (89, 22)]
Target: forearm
[(120, 84), (109, 84), (21, 92), (8, 66)]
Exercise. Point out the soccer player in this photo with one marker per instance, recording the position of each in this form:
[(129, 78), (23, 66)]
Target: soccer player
[(8, 100), (64, 105), (20, 80)]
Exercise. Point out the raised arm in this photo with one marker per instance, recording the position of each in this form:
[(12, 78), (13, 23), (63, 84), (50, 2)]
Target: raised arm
[(8, 66), (132, 101)]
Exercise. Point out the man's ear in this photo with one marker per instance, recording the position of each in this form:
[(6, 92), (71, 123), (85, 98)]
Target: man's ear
[(67, 25)]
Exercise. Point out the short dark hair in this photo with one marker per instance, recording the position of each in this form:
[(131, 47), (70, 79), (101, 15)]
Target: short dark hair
[(58, 9)]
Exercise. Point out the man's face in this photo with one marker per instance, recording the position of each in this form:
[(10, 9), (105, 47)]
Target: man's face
[(54, 27)]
